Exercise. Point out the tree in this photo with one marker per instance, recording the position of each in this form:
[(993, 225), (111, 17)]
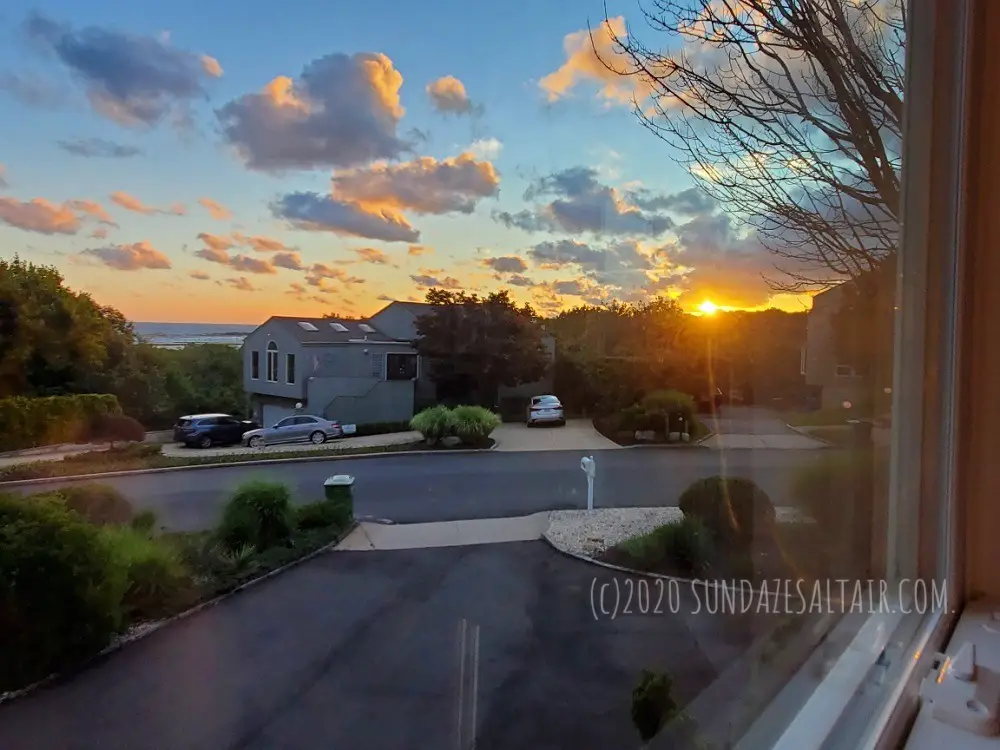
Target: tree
[(475, 344), (789, 114)]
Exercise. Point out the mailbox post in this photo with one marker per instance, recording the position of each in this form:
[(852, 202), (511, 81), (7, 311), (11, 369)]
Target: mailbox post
[(590, 469)]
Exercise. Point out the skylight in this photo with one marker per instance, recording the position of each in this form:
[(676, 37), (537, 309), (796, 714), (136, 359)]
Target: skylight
[(366, 328), (305, 326), (339, 327)]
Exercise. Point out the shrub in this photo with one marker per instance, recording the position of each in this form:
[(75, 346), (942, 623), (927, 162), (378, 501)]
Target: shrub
[(653, 704), (686, 545), (670, 402), (434, 423), (144, 522), (31, 422), (116, 454), (734, 509), (157, 582), (109, 428), (98, 503), (322, 514), (633, 418), (380, 428), (60, 594), (473, 424), (259, 513)]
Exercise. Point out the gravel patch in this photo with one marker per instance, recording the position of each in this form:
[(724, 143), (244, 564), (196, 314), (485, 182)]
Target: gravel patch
[(589, 533)]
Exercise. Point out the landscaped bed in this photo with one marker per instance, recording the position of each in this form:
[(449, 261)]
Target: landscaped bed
[(654, 420), (85, 571), (138, 456)]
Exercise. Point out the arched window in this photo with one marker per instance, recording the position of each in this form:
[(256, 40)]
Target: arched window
[(272, 362)]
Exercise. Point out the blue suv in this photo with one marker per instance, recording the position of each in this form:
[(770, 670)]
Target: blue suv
[(206, 430)]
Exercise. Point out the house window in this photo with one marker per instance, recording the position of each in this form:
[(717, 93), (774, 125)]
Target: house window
[(255, 365), (290, 369), (400, 366), (802, 361), (272, 363), (845, 371)]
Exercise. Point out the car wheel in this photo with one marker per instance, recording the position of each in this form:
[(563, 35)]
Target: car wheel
[(317, 438), (205, 442), (256, 442)]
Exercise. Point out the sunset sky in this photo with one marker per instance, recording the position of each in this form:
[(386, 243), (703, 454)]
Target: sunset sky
[(188, 161)]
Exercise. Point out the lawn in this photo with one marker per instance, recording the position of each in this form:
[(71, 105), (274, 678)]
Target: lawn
[(822, 417), (140, 456)]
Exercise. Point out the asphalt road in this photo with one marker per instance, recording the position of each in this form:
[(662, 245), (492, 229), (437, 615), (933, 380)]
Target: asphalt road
[(361, 650), (420, 488)]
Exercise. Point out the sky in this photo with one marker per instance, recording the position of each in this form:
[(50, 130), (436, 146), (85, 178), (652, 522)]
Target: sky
[(185, 162)]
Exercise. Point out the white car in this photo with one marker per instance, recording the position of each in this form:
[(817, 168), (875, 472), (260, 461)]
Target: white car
[(298, 429), (545, 410)]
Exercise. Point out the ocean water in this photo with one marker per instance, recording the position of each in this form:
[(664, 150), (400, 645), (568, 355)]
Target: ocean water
[(177, 335)]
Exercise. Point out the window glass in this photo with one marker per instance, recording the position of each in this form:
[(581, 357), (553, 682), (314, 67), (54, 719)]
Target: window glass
[(401, 366)]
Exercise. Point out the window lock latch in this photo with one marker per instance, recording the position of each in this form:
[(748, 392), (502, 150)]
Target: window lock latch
[(963, 693)]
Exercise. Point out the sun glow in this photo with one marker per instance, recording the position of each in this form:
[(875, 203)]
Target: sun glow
[(708, 308)]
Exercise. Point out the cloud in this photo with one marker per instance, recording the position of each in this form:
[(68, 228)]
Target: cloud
[(249, 264), (199, 275), (447, 95), (291, 261), (39, 215), (215, 209), (131, 203), (519, 280), (485, 148), (582, 204), (213, 255), (588, 57), (94, 209), (690, 202), (3, 178), (342, 111), (372, 255), (99, 148), (241, 284), (506, 264), (134, 257), (260, 243), (135, 81), (424, 186), (426, 280), (324, 213), (99, 234), (31, 90), (217, 242), (417, 250), (320, 273)]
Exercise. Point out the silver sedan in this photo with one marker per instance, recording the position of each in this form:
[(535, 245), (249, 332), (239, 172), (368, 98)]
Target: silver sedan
[(298, 429)]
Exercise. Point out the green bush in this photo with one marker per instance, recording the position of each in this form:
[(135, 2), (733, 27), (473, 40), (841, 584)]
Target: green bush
[(734, 509), (653, 704), (157, 582), (473, 424), (31, 422), (322, 514), (117, 454), (60, 593), (670, 402), (633, 419), (112, 428), (98, 503), (686, 545), (259, 513), (145, 521), (434, 423)]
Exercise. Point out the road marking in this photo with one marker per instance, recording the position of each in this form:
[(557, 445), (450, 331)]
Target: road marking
[(468, 685)]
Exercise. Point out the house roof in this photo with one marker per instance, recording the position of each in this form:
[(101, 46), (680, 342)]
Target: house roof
[(325, 332), (416, 308)]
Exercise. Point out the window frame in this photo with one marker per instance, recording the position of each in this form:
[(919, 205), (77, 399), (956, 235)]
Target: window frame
[(272, 357), (935, 161), (255, 365), (385, 366)]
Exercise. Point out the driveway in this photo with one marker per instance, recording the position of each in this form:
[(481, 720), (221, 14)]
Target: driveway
[(753, 427), (575, 435), (363, 650)]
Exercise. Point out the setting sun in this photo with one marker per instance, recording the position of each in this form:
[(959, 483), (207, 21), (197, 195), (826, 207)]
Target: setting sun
[(709, 308)]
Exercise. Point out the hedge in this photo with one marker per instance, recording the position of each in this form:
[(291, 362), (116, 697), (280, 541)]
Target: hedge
[(32, 422)]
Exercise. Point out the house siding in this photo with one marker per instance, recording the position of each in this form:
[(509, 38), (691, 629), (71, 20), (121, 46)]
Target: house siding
[(347, 382), (258, 341), (396, 322), (821, 355)]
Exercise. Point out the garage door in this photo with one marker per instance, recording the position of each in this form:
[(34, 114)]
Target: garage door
[(273, 412)]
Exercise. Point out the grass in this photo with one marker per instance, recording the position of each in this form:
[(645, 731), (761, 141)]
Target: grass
[(822, 417), (99, 462), (835, 435)]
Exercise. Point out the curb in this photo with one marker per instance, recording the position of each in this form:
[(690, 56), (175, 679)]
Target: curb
[(802, 432), (229, 464), (154, 627)]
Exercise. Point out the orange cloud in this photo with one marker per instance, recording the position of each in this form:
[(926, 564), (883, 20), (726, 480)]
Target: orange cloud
[(132, 257), (417, 250), (39, 215), (250, 264), (94, 209), (216, 210), (261, 244), (219, 243), (131, 203), (588, 59), (241, 284), (211, 66), (372, 255), (199, 275), (448, 94)]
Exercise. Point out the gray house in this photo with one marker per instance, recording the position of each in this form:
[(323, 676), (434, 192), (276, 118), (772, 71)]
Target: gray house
[(837, 382), (359, 372)]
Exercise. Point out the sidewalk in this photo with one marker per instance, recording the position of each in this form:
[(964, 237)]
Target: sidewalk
[(763, 442), (374, 536)]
